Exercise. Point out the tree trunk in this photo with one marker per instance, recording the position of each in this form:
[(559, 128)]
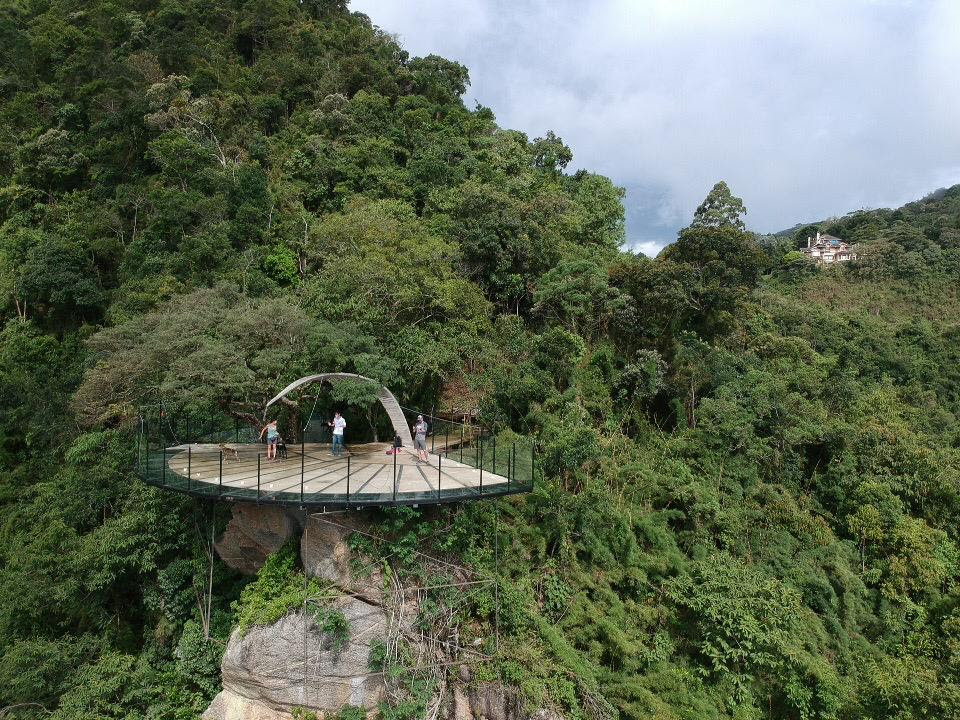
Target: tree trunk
[(691, 407), (244, 416)]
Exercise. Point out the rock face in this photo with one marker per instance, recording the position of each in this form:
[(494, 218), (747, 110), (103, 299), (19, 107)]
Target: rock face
[(490, 701), (272, 670), (290, 664), (253, 533), (227, 706), (546, 715), (494, 702), (325, 554)]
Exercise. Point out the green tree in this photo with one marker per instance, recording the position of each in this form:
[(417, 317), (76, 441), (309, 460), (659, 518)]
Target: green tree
[(550, 154), (801, 236), (717, 268), (720, 209), (577, 295), (210, 348)]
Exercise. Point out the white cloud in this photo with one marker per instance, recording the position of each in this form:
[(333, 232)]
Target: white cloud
[(807, 108), (647, 247)]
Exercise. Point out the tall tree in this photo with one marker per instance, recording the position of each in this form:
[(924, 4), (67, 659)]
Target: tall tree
[(721, 208)]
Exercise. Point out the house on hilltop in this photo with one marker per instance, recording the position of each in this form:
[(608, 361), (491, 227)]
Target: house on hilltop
[(827, 249)]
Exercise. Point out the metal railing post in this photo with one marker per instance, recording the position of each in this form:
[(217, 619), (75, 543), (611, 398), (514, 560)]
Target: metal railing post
[(163, 467), (446, 442), (510, 466), (433, 433), (303, 457), (220, 475), (258, 477), (493, 442), (394, 477), (439, 474), (348, 481), (461, 443), (189, 467)]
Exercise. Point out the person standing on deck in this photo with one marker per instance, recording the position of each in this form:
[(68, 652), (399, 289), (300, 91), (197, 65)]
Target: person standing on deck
[(338, 424), (273, 435), (420, 438)]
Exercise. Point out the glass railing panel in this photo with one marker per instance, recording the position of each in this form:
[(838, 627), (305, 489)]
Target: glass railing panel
[(225, 459)]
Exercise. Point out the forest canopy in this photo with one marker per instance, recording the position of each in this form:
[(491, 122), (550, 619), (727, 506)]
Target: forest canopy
[(749, 487)]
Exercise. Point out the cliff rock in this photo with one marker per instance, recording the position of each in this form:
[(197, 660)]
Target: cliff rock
[(253, 533), (490, 701), (290, 664), (326, 555)]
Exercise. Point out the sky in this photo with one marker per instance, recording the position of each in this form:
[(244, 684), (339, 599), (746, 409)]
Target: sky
[(807, 108)]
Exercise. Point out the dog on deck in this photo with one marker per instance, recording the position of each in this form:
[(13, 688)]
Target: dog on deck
[(281, 449), (227, 450)]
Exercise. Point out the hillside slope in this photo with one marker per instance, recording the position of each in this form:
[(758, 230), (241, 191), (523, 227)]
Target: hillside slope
[(750, 469)]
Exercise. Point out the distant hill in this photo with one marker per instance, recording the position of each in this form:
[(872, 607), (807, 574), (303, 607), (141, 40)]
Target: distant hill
[(929, 214)]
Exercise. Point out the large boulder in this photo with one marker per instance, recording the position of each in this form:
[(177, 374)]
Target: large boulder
[(326, 554), (228, 706), (253, 533), (290, 664)]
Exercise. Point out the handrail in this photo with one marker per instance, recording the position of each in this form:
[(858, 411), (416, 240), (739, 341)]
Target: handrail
[(199, 467), (434, 417)]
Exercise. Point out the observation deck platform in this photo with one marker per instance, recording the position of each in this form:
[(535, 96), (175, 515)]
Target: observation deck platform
[(202, 455), (363, 475)]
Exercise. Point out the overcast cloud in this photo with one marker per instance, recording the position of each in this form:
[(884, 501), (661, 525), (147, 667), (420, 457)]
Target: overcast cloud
[(807, 108)]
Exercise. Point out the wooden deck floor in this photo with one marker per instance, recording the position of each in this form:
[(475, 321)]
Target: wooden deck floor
[(363, 473)]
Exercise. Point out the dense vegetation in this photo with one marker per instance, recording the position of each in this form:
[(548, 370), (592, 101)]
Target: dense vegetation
[(751, 468)]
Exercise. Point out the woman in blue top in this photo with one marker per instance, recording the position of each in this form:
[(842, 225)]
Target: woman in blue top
[(273, 435)]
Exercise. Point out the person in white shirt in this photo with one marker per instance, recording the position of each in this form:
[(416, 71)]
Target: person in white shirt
[(338, 424)]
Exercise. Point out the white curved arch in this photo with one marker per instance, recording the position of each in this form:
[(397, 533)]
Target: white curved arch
[(386, 398)]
